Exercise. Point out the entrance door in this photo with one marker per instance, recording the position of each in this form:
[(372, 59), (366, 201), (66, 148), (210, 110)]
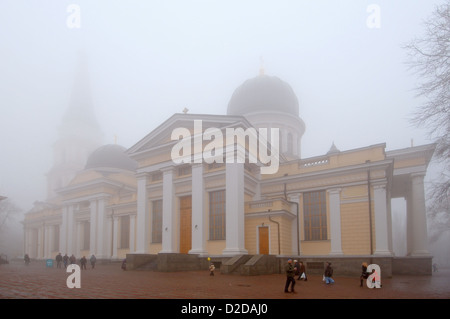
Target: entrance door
[(263, 240), (185, 224)]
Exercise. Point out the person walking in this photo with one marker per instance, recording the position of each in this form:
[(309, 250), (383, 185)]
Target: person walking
[(290, 280), (93, 260), (302, 272), (26, 259), (72, 259), (328, 274), (65, 260), (83, 262), (211, 269), (58, 260), (297, 268)]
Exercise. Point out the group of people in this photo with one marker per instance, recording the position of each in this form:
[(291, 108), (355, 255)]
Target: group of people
[(66, 260), (298, 269), (292, 270)]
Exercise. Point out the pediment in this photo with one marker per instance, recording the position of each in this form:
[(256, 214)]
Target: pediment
[(85, 177), (161, 137)]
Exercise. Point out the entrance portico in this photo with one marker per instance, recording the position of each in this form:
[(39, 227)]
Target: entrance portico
[(408, 182)]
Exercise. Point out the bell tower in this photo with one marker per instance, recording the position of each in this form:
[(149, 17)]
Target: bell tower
[(78, 135)]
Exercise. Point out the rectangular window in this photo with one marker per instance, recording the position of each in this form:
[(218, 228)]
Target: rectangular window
[(185, 170), (315, 215), (217, 215), (157, 221), (157, 176), (125, 231)]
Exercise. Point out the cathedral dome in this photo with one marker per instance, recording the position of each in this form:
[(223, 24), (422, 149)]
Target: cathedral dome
[(111, 156), (263, 93)]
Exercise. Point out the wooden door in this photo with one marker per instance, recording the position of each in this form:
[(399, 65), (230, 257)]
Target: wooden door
[(185, 224), (263, 240)]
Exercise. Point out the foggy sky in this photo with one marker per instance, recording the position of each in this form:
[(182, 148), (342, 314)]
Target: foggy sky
[(151, 59)]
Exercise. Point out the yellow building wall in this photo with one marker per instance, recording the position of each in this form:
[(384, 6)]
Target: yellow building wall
[(358, 156), (155, 248), (122, 253), (315, 247), (85, 176), (355, 223), (155, 159), (215, 247), (251, 234), (409, 162), (251, 225), (85, 253)]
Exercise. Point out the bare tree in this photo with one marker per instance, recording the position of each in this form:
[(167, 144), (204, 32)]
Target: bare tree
[(7, 213), (429, 58)]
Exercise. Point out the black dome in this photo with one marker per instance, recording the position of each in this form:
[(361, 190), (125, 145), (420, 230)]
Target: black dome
[(263, 93), (112, 156)]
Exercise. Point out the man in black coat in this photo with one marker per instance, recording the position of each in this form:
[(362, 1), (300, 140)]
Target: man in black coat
[(290, 280)]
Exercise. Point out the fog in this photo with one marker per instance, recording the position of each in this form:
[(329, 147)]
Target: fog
[(151, 59)]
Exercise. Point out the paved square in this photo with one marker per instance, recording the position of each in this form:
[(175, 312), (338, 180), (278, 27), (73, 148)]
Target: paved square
[(108, 281)]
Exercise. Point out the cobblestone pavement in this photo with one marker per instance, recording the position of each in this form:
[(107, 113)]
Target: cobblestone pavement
[(108, 281)]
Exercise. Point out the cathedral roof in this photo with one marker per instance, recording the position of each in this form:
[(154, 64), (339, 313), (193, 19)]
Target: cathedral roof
[(111, 156), (263, 93)]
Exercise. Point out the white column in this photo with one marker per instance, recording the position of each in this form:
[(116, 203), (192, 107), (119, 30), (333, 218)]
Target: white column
[(296, 229), (33, 243), (51, 240), (381, 220), (26, 240), (257, 195), (93, 228), (115, 236), (132, 233), (198, 213), (47, 253), (142, 218), (334, 196), (80, 238), (418, 218), (168, 219), (409, 228), (29, 246), (70, 231), (63, 231), (235, 220), (109, 235), (296, 147), (40, 248), (284, 140), (101, 229)]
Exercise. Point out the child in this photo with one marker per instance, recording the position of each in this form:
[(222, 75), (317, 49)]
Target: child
[(211, 269)]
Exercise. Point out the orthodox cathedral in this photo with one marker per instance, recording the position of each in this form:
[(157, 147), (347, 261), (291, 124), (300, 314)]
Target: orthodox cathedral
[(121, 203)]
